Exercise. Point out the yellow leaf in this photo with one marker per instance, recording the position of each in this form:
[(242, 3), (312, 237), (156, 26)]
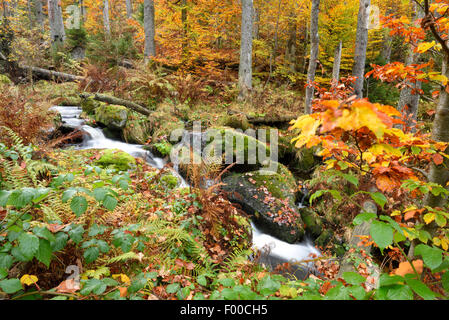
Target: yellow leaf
[(28, 279), (123, 277), (429, 217), (423, 47)]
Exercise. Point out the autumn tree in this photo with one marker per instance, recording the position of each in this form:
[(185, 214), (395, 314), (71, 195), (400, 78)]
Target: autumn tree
[(57, 32), (314, 46), (245, 66), (361, 43), (150, 47)]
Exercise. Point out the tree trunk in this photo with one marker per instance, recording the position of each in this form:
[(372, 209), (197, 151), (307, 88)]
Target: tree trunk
[(290, 51), (256, 23), (148, 14), (440, 132), (82, 10), (184, 28), (409, 101), (337, 63), (246, 48), (39, 13), (314, 46), (107, 25), (113, 100), (57, 32), (361, 42), (129, 9)]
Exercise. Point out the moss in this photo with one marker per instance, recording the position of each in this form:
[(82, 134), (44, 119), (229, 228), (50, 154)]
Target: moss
[(89, 105), (112, 116), (312, 222), (4, 79), (229, 137), (136, 131), (64, 94), (117, 159), (169, 181), (236, 121)]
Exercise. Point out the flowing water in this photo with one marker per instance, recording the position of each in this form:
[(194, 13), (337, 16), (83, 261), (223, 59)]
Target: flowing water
[(274, 251)]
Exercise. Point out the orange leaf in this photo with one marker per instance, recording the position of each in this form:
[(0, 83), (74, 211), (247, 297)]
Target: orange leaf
[(123, 291), (68, 286), (406, 268), (437, 159)]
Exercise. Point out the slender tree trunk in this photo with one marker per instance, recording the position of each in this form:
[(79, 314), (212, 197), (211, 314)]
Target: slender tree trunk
[(82, 10), (57, 32), (107, 25), (129, 9), (246, 48), (148, 13), (290, 51), (358, 70), (408, 100), (39, 13), (337, 63), (314, 46), (184, 27), (30, 14), (256, 23)]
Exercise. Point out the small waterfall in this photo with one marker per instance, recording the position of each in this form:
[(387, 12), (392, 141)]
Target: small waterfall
[(274, 251)]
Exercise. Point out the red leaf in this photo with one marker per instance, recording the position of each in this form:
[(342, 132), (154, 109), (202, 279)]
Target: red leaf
[(437, 159)]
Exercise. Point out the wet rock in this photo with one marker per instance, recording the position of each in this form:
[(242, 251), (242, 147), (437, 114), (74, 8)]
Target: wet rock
[(112, 116), (270, 199)]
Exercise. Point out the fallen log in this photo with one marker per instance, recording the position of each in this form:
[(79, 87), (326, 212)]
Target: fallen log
[(113, 100), (50, 74), (266, 119)]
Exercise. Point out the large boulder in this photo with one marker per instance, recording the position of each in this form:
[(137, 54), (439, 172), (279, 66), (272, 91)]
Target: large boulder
[(270, 198), (112, 116)]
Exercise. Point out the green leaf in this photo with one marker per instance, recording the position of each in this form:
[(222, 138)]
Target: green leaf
[(399, 292), (4, 195), (139, 282), (10, 285), (94, 286), (381, 233), (227, 282), (76, 234), (60, 241), (387, 280), (91, 254), (432, 257), (100, 193), (353, 278), (172, 288), (202, 280), (350, 178), (78, 205), (68, 194), (28, 245), (421, 289), (95, 229), (359, 219), (44, 252), (229, 294), (110, 202), (445, 281), (379, 198), (268, 286), (43, 232)]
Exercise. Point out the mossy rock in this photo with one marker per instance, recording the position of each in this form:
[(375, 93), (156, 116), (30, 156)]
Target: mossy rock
[(169, 181), (160, 149), (90, 104), (249, 152), (313, 223), (270, 199), (136, 131), (112, 116), (117, 159), (236, 121)]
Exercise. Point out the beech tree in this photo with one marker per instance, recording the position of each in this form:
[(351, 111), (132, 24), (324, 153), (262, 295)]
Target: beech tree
[(107, 26), (148, 11), (314, 46), (337, 62), (245, 66), (358, 69), (57, 32), (129, 9)]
